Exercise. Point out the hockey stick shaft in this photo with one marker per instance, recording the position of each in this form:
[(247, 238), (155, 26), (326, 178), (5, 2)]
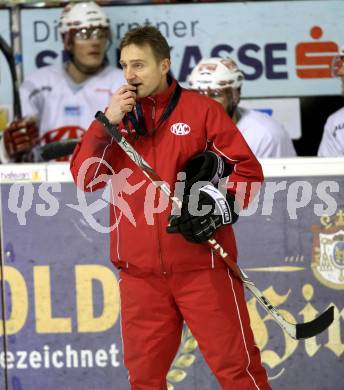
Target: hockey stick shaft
[(308, 329), (8, 53)]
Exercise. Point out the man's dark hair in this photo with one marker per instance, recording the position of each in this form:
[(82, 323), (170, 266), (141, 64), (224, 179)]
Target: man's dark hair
[(147, 35)]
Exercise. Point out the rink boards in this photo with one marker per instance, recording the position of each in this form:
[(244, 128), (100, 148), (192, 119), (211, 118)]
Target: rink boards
[(60, 322)]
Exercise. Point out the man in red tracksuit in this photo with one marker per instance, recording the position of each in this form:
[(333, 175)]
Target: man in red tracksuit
[(168, 278)]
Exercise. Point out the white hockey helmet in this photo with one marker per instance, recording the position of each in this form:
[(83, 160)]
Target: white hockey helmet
[(341, 51), (215, 73), (82, 15)]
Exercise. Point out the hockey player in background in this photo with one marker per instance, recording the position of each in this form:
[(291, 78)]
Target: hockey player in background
[(58, 101), (332, 142), (220, 79)]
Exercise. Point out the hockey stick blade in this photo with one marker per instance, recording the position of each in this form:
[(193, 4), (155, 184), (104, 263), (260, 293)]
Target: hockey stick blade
[(296, 331), (318, 325)]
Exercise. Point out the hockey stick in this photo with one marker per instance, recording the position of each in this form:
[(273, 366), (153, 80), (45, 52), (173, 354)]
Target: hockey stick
[(8, 53), (296, 331)]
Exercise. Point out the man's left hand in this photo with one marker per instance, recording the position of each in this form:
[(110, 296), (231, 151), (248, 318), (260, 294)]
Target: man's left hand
[(203, 213)]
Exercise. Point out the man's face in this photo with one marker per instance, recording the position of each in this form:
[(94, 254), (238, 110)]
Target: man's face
[(228, 98), (340, 71), (89, 48), (224, 98), (338, 66), (143, 70)]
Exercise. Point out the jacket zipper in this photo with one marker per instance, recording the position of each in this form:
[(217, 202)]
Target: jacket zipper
[(156, 219)]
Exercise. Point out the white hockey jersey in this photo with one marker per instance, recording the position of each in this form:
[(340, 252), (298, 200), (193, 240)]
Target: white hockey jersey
[(332, 142), (264, 135), (51, 95)]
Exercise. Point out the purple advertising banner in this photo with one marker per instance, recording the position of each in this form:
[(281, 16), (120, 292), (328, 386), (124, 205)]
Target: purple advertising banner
[(61, 294), (292, 247), (61, 317)]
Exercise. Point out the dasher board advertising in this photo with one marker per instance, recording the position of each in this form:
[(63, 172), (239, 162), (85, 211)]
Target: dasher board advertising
[(284, 48), (61, 324)]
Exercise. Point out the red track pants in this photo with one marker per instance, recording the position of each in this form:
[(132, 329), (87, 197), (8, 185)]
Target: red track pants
[(213, 305)]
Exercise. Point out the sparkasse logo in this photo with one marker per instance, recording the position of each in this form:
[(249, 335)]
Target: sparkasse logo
[(180, 129)]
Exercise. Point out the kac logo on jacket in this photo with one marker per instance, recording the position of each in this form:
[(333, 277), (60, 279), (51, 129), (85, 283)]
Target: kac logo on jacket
[(180, 129)]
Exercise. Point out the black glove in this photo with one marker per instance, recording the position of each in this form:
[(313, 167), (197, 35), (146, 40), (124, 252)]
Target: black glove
[(218, 211), (206, 166)]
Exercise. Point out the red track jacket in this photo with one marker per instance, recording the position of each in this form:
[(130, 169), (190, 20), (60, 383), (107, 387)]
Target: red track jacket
[(196, 124)]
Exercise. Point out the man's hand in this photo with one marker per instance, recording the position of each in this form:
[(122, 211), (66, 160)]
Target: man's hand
[(20, 137), (122, 102), (197, 226)]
